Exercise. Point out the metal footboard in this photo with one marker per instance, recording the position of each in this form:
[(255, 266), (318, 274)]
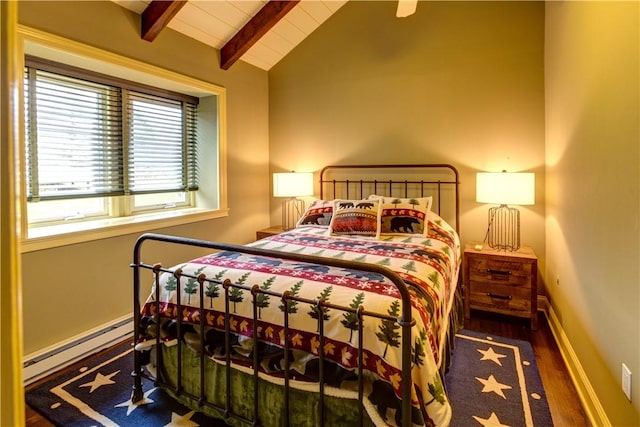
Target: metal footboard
[(404, 320)]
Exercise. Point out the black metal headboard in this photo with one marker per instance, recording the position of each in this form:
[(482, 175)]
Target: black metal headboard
[(396, 180)]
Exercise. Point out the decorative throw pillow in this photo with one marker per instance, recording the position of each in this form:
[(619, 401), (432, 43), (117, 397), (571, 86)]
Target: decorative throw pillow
[(318, 214), (355, 217), (408, 216)]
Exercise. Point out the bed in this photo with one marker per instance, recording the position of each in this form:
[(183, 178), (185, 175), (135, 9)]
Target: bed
[(346, 319)]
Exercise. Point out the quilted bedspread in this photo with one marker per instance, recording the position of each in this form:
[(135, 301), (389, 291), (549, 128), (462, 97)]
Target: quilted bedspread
[(429, 265)]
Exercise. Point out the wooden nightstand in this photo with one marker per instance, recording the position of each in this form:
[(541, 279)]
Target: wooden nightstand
[(501, 282), (271, 231)]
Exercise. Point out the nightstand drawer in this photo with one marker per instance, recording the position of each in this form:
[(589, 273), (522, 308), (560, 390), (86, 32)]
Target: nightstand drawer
[(501, 297), (486, 270)]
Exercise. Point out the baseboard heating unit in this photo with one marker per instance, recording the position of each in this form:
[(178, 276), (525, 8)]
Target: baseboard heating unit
[(42, 363)]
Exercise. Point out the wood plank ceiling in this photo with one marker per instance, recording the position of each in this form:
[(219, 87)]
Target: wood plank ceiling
[(259, 32)]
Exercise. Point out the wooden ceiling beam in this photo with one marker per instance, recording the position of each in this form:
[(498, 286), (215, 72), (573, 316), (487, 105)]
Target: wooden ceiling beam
[(272, 12), (157, 16)]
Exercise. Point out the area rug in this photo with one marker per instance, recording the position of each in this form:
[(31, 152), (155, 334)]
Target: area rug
[(98, 393), (492, 381)]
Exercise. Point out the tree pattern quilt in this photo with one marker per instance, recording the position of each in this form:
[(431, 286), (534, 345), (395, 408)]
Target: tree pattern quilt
[(428, 264)]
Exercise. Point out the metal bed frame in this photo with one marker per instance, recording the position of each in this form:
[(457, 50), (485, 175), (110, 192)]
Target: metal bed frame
[(446, 177), (404, 320)]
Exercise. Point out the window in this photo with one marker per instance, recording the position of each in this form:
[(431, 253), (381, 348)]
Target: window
[(117, 153), (89, 138)]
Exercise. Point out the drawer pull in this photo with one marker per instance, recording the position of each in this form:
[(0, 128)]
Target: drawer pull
[(508, 297), (500, 272)]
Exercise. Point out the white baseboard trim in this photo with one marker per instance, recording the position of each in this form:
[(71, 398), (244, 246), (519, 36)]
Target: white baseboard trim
[(590, 402), (40, 364)]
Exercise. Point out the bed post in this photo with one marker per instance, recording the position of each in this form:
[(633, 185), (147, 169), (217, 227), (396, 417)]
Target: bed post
[(137, 393)]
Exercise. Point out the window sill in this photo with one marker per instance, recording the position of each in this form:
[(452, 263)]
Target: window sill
[(68, 234)]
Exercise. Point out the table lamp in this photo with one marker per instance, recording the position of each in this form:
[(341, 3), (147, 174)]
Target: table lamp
[(292, 185), (503, 189)]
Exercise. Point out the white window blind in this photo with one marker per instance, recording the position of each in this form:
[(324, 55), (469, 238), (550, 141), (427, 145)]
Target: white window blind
[(91, 135), (74, 138), (160, 131)]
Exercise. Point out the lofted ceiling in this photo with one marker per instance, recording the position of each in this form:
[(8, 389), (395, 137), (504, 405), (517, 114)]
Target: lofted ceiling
[(259, 32)]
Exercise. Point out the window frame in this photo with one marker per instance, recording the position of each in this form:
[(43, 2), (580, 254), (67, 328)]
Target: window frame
[(212, 203)]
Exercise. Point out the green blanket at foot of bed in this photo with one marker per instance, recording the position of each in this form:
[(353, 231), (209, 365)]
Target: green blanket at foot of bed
[(303, 405)]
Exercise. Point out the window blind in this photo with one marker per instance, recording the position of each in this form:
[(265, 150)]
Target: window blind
[(88, 138), (160, 131), (74, 139)]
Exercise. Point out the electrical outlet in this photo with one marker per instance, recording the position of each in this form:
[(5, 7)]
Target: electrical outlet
[(626, 381)]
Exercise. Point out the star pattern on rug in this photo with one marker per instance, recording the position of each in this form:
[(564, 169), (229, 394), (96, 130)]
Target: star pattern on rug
[(182, 420), (131, 406), (492, 421), (490, 354), (492, 385), (99, 381)]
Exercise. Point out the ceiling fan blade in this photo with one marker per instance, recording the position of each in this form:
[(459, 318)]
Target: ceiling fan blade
[(406, 8)]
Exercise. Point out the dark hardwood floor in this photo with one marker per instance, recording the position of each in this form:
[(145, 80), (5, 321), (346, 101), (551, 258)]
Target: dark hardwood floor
[(564, 404)]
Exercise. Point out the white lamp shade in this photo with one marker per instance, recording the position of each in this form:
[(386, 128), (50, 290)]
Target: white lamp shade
[(506, 188), (292, 184)]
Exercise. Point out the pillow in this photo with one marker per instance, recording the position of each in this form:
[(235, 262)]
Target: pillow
[(318, 214), (401, 217), (355, 218), (386, 199)]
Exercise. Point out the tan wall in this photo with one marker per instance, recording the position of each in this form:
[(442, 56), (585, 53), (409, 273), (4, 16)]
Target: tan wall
[(592, 72), (457, 82), (71, 289)]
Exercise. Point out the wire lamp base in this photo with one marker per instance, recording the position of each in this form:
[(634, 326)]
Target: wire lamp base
[(292, 210), (504, 228)]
